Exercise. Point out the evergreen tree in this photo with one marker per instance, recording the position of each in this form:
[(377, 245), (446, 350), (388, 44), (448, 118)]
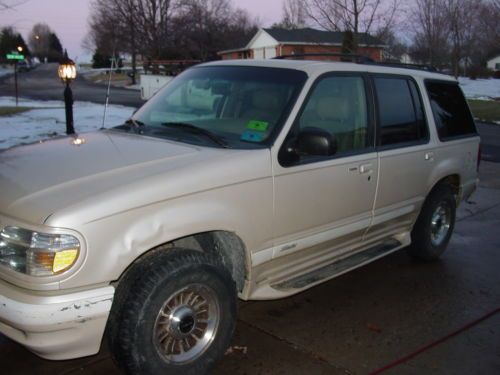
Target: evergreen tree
[(348, 42), (100, 60), (10, 40), (55, 48)]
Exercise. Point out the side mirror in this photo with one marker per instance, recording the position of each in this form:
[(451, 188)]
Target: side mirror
[(316, 142)]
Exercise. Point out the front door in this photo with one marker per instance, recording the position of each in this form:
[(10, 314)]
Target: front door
[(325, 202)]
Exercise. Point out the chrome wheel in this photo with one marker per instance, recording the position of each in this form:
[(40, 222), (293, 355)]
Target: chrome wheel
[(440, 223), (186, 324)]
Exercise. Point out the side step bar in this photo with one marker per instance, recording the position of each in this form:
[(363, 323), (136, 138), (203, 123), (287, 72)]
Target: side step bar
[(340, 266)]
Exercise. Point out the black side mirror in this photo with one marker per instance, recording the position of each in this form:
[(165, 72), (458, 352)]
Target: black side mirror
[(316, 142)]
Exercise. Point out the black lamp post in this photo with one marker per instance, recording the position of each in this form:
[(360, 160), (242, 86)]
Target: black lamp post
[(67, 73)]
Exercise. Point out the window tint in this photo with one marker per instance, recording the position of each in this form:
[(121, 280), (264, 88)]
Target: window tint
[(401, 114), (451, 114), (338, 105)]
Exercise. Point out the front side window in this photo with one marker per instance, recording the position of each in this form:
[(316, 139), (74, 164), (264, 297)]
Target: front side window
[(401, 115), (338, 106), (451, 113), (230, 106)]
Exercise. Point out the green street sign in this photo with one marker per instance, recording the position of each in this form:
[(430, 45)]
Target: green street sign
[(15, 56)]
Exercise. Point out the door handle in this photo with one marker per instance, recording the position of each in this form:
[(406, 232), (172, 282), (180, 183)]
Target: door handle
[(429, 156), (365, 168)]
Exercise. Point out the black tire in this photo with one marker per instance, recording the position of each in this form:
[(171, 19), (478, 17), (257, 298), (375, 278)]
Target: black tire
[(425, 245), (186, 278)]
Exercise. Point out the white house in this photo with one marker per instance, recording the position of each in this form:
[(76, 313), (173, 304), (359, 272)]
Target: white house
[(494, 63), (273, 42)]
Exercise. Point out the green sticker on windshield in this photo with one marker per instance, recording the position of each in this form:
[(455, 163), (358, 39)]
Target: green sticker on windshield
[(259, 126)]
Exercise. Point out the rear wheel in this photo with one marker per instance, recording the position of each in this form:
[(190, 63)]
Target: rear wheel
[(434, 226), (178, 318)]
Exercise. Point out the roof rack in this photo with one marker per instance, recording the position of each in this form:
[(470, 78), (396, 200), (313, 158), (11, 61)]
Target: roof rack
[(344, 57), (428, 68), (361, 59)]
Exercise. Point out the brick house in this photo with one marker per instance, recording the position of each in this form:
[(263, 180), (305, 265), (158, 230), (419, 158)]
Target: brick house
[(270, 43)]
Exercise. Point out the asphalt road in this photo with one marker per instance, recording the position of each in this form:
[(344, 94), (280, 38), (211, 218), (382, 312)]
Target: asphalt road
[(43, 83)]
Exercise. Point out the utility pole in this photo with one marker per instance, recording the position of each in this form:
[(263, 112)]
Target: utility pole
[(15, 83)]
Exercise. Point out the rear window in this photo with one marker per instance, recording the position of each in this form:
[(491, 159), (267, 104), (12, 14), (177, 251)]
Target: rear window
[(400, 112), (451, 113)]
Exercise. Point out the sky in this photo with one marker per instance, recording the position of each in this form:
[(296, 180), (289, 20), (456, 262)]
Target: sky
[(68, 18)]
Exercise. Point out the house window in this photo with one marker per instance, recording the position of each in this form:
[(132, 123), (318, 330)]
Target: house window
[(497, 66)]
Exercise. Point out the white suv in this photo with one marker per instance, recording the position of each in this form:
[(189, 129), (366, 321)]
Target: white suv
[(249, 179)]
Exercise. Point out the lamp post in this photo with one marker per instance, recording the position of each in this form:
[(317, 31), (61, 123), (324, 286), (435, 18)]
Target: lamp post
[(67, 73)]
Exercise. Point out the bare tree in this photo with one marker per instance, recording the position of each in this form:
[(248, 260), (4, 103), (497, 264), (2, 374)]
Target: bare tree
[(294, 15), (355, 15), (204, 27), (431, 27), (461, 16), (10, 5), (159, 29), (39, 40)]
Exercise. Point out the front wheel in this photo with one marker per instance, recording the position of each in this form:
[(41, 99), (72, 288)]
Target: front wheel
[(178, 318), (434, 226)]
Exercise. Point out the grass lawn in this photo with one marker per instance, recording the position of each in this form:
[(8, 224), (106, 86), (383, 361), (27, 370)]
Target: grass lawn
[(485, 110), (9, 111)]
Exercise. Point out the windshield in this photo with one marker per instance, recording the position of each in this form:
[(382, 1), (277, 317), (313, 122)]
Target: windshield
[(222, 106)]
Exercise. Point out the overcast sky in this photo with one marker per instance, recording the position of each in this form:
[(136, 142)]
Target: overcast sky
[(69, 18)]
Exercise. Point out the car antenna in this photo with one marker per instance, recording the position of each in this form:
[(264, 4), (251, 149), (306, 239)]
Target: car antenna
[(108, 90)]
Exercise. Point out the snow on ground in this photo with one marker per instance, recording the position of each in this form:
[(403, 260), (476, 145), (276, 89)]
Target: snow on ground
[(5, 70), (483, 89), (48, 120)]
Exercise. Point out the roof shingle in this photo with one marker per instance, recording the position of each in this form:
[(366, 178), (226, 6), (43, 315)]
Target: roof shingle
[(309, 35)]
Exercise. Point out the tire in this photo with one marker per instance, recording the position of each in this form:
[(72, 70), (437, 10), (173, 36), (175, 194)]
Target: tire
[(185, 299), (430, 238)]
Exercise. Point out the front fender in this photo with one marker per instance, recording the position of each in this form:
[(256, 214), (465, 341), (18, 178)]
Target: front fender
[(115, 242)]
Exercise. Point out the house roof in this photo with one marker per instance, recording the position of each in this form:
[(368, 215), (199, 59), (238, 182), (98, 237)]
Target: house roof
[(309, 35)]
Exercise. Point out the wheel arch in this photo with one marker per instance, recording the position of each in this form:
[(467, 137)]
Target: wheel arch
[(226, 245), (453, 180)]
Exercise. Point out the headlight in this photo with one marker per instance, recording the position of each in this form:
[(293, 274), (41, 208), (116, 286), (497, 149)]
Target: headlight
[(37, 254)]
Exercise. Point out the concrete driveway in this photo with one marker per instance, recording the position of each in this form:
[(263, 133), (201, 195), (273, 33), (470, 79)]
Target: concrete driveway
[(366, 319)]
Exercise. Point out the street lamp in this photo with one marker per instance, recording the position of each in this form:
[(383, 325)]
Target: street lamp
[(67, 73), (20, 49)]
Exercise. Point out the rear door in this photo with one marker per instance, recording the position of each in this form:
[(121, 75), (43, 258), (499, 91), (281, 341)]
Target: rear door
[(405, 154)]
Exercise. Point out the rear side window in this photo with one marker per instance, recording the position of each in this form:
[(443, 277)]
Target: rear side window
[(401, 115), (451, 113)]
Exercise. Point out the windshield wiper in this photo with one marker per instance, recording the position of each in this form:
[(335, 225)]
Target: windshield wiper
[(195, 129)]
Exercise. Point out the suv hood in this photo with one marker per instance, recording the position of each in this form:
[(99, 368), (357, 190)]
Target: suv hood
[(39, 179)]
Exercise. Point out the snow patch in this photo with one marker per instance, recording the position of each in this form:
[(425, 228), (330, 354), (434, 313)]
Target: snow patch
[(480, 89), (6, 71), (48, 120)]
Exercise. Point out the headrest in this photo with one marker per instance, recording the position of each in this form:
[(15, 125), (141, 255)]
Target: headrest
[(265, 100), (333, 107)]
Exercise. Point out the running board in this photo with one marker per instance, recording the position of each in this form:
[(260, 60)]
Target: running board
[(340, 266)]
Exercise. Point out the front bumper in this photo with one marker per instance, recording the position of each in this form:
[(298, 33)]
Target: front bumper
[(56, 327)]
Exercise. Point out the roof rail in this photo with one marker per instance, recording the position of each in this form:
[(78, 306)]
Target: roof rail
[(359, 59), (428, 68)]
